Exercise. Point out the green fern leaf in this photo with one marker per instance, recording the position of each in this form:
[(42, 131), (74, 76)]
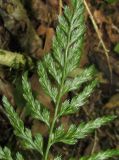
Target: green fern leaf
[(77, 101), (104, 155), (5, 154), (19, 130), (67, 45), (75, 133), (19, 156), (86, 75), (58, 158), (52, 68), (70, 33), (45, 82), (33, 104)]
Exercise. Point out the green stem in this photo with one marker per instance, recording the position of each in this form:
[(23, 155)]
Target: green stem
[(54, 121), (58, 99)]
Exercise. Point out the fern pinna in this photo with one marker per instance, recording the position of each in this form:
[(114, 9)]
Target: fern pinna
[(63, 59)]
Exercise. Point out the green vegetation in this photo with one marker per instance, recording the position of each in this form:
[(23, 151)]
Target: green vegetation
[(65, 57)]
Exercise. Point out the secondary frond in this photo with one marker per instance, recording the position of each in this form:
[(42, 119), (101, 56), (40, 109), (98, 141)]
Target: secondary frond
[(75, 133), (86, 75), (19, 156), (34, 105), (67, 47), (103, 155), (58, 158), (69, 37), (19, 130), (78, 101), (45, 82), (52, 68), (5, 154)]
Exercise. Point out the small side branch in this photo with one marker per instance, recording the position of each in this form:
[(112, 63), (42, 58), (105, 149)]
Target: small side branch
[(60, 7)]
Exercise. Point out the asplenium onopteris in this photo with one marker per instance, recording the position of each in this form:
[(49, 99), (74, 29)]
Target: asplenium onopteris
[(64, 58)]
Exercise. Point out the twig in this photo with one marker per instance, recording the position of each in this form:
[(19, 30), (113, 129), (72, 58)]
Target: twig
[(95, 143), (60, 7), (115, 27), (100, 38)]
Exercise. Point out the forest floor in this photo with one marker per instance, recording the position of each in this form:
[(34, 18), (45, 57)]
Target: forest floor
[(105, 99)]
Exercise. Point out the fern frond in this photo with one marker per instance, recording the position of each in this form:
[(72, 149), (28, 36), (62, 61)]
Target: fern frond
[(75, 133), (104, 155), (78, 101), (45, 82), (64, 58), (58, 158), (86, 75), (36, 111), (19, 156), (5, 154), (52, 68), (67, 43), (19, 130)]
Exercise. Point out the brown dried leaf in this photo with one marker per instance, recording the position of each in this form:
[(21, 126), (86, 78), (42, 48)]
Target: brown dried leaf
[(39, 127), (114, 37), (100, 18), (7, 90), (48, 33), (113, 102), (44, 12)]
